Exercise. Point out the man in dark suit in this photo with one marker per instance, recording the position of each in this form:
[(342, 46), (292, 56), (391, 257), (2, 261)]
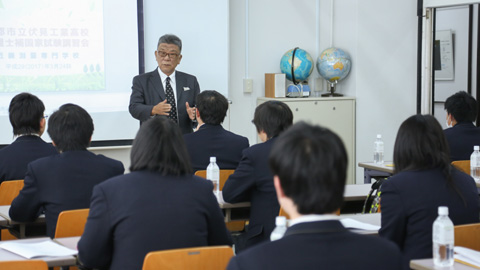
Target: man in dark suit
[(28, 122), (165, 91), (63, 181), (309, 164), (253, 180), (462, 134), (211, 139)]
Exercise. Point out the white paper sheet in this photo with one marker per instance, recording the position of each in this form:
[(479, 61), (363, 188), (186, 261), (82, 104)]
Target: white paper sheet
[(467, 255), (46, 248), (354, 224)]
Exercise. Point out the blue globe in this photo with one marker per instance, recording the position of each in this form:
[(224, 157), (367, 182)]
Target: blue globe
[(302, 65), (333, 64)]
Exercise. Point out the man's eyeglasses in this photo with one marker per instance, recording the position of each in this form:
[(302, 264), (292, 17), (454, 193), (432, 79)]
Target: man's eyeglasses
[(171, 55)]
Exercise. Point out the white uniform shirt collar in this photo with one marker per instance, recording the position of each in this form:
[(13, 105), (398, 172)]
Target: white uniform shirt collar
[(313, 218)]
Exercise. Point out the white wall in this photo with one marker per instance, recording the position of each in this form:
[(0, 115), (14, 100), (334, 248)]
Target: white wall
[(379, 35)]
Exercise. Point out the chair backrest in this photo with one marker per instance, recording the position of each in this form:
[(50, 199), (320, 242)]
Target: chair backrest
[(224, 174), (24, 265), (462, 165), (468, 236), (200, 258), (71, 223), (9, 190)]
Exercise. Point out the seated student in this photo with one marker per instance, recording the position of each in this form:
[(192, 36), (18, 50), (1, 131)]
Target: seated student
[(309, 164), (424, 179), (159, 205), (462, 134), (28, 122), (253, 181), (211, 139), (63, 181)]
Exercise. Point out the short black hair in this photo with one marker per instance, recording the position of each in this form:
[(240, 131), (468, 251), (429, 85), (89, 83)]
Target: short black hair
[(70, 127), (159, 147), (272, 117), (462, 106), (25, 113), (212, 107), (420, 145), (311, 162)]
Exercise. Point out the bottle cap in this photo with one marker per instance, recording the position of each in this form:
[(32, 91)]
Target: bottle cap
[(443, 210), (379, 136), (280, 220), (476, 147), (213, 159)]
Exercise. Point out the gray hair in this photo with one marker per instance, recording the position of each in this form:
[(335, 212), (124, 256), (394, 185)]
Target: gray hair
[(170, 39)]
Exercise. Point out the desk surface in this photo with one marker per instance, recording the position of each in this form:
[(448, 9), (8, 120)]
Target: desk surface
[(51, 261), (427, 264), (4, 214), (377, 167)]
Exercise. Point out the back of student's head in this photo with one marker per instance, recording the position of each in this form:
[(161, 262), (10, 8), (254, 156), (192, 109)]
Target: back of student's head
[(272, 117), (26, 112), (462, 106), (70, 128), (420, 144), (212, 107), (311, 162), (159, 147)]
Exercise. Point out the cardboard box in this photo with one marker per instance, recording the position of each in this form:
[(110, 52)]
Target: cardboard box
[(275, 85)]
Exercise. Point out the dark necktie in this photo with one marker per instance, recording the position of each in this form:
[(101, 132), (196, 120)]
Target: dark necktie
[(171, 100)]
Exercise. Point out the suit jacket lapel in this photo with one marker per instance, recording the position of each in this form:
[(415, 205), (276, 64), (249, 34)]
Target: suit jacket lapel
[(180, 83), (157, 84)]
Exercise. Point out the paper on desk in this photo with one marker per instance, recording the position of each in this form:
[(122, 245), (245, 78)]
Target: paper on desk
[(355, 224), (467, 255), (46, 248)]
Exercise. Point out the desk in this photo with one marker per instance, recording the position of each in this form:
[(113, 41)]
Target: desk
[(373, 219), (51, 261), (6, 221), (427, 264), (227, 207), (356, 192), (371, 169)]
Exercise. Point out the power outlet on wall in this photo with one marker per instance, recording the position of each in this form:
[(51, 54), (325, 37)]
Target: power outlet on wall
[(247, 85)]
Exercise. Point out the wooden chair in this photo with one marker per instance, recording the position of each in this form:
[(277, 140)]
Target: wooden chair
[(462, 165), (24, 265), (200, 258), (468, 236), (233, 226), (224, 174), (71, 223), (8, 191)]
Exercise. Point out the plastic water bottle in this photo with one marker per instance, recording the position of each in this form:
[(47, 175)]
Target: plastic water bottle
[(378, 150), (213, 174), (280, 228), (443, 238), (475, 164)]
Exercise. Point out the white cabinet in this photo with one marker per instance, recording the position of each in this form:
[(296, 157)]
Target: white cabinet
[(335, 113)]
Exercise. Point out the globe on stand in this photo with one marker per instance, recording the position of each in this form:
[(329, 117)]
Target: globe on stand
[(333, 65), (297, 64)]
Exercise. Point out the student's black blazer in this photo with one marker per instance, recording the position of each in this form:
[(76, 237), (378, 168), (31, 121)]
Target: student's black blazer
[(15, 157), (133, 214), (253, 182), (320, 245), (61, 182), (214, 141)]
